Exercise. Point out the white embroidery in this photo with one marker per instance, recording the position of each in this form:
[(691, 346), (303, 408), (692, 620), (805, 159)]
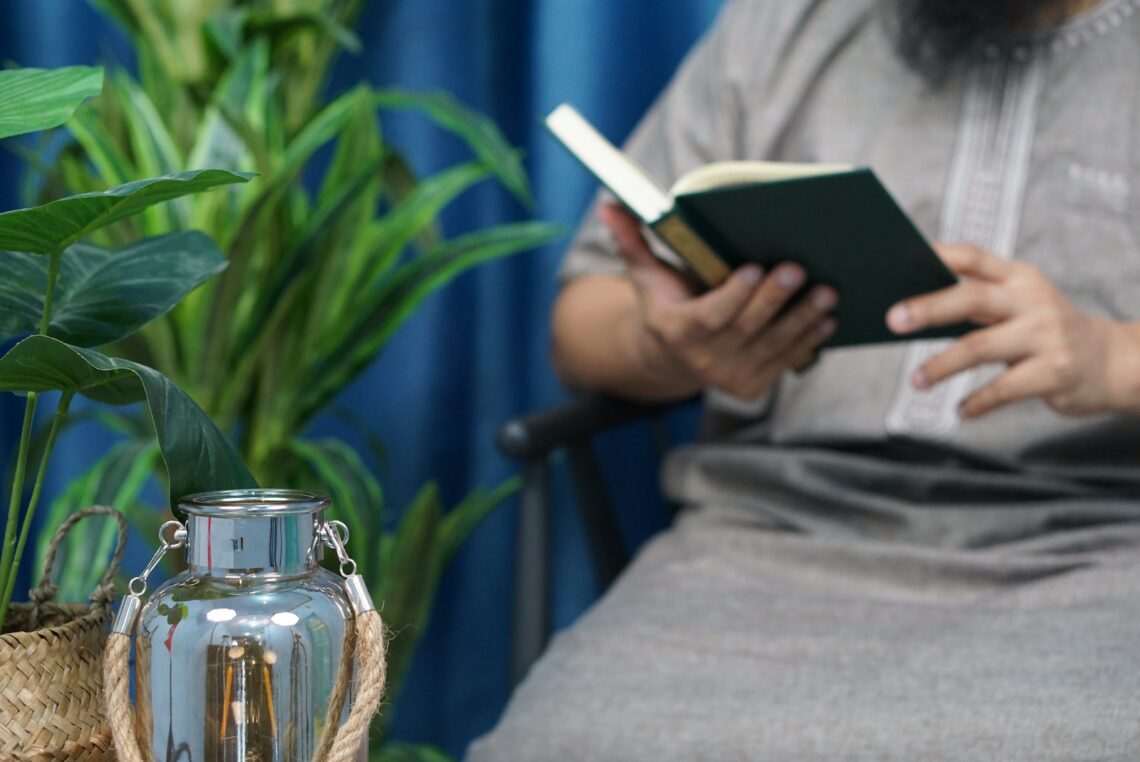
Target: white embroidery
[(982, 206)]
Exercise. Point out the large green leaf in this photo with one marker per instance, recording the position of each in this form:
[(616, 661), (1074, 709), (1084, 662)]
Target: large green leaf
[(103, 295), (197, 455), (38, 99), (58, 224)]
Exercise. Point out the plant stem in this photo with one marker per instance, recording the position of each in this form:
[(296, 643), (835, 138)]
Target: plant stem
[(56, 424), (7, 568), (49, 297), (13, 550)]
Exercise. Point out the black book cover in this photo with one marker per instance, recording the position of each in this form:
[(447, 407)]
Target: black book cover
[(846, 231)]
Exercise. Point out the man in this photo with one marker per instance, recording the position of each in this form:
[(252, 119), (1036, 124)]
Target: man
[(916, 551)]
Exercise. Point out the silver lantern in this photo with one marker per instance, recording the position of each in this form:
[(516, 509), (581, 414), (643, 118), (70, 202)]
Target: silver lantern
[(246, 655)]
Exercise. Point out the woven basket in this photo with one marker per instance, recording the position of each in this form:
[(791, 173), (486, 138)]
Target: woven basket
[(51, 668)]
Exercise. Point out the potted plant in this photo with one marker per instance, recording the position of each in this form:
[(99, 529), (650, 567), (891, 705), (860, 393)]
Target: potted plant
[(321, 272), (60, 297)]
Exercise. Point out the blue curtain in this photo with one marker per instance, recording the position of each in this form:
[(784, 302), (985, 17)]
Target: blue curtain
[(476, 353)]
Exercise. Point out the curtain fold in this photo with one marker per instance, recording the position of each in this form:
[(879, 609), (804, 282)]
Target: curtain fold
[(476, 353)]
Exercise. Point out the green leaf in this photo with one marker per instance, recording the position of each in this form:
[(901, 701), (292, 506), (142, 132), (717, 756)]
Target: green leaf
[(479, 132), (380, 245), (319, 130), (119, 12), (357, 498), (303, 249), (219, 141), (155, 150), (322, 128), (229, 30), (397, 297), (108, 161), (279, 24), (388, 236), (226, 30), (399, 183), (359, 141), (462, 520), (149, 134), (409, 579), (58, 224), (399, 751), (197, 455), (103, 295), (38, 99)]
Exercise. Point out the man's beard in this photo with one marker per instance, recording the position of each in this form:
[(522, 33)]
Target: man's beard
[(933, 36)]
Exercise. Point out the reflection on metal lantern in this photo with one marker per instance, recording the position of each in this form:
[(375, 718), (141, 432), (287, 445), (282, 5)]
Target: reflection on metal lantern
[(246, 654)]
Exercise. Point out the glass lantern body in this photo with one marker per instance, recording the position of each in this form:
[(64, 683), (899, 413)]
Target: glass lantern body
[(237, 658)]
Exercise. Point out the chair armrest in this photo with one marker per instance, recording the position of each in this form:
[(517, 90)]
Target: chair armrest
[(536, 434)]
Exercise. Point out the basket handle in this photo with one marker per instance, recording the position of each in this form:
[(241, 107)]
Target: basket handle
[(104, 592)]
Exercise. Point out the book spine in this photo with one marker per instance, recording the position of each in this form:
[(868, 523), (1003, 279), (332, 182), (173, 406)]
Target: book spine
[(697, 254)]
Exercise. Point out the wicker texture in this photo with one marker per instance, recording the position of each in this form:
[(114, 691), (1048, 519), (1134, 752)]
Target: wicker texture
[(51, 682)]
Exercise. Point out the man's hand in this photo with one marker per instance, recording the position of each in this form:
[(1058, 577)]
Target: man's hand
[(1078, 364), (735, 337)]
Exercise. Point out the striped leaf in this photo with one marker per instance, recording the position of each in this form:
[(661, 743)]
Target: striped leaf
[(197, 455), (56, 225), (103, 295), (39, 99)]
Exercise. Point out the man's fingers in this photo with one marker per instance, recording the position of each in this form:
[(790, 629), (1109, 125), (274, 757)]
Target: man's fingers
[(788, 329), (1005, 342), (973, 261), (770, 298), (1022, 381), (654, 279), (802, 350), (715, 309), (977, 301), (626, 231)]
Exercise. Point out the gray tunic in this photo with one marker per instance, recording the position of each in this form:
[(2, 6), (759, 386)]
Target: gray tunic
[(860, 574)]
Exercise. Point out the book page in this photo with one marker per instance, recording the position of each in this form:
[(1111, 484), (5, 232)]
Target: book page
[(616, 170), (722, 174)]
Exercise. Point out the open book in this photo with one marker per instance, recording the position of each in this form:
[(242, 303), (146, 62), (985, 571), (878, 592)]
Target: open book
[(837, 221)]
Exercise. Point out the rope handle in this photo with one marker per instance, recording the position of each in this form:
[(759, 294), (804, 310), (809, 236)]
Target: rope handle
[(340, 743), (104, 592)]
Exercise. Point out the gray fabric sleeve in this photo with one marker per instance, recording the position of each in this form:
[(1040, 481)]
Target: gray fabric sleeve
[(693, 122)]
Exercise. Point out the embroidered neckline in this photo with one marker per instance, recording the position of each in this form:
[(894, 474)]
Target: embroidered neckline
[(1083, 28), (1096, 21)]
